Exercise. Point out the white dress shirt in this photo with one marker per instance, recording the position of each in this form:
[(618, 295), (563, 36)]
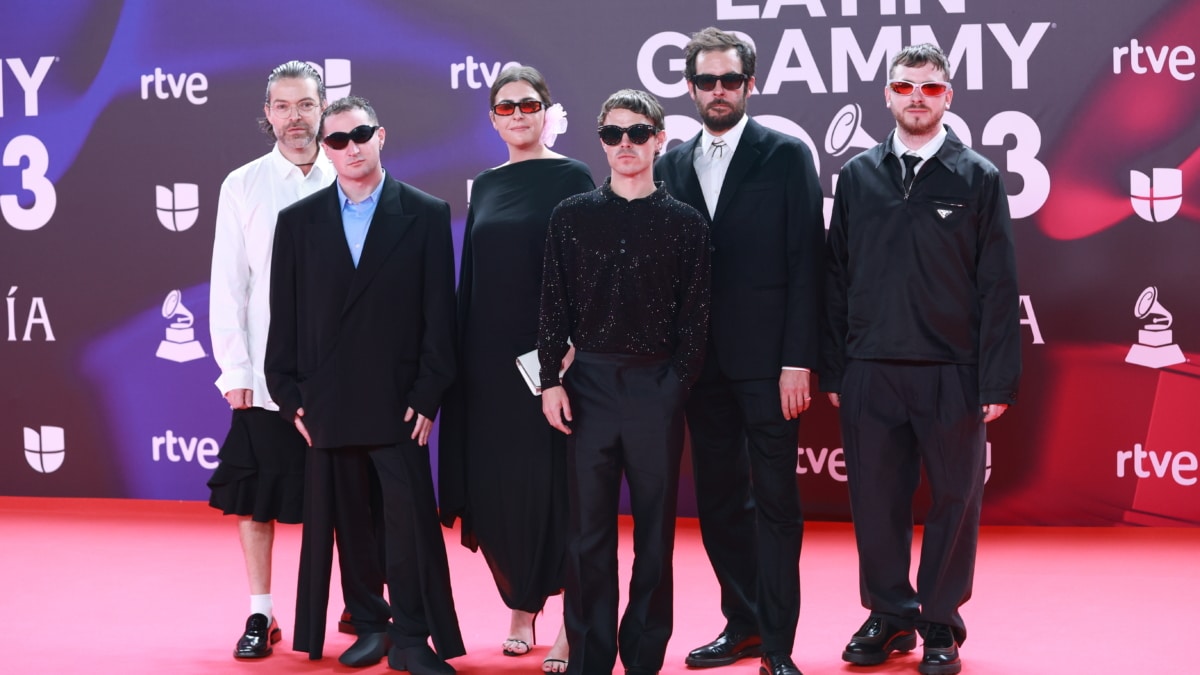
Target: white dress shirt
[(239, 293), (924, 152), (712, 167)]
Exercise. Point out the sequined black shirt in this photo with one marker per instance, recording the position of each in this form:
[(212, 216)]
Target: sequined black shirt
[(625, 277)]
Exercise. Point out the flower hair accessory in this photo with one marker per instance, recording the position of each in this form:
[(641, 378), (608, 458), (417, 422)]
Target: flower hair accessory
[(554, 124)]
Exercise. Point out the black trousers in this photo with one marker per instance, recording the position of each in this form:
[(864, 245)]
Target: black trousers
[(744, 465), (414, 565), (896, 417), (628, 418)]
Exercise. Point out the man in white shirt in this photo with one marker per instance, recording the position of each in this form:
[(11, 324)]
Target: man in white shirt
[(261, 475)]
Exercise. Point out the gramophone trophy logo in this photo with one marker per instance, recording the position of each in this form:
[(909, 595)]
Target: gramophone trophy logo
[(1156, 346), (180, 344)]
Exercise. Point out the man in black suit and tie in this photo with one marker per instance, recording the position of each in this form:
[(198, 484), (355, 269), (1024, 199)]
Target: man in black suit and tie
[(359, 353), (759, 188)]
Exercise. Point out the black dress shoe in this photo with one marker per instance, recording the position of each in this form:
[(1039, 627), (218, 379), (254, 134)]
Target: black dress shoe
[(367, 650), (256, 642), (419, 660), (726, 649), (941, 651), (878, 638), (778, 664), (345, 625)]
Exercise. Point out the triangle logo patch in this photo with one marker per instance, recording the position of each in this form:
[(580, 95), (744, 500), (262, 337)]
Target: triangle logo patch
[(944, 213)]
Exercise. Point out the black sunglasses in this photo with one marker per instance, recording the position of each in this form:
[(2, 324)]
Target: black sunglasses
[(340, 139), (730, 81), (611, 134), (527, 107)]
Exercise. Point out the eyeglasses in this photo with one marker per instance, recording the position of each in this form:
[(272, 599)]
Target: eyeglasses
[(931, 89), (611, 134), (340, 139), (527, 107), (284, 110), (730, 81)]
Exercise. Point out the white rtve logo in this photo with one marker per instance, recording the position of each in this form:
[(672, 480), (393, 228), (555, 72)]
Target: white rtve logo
[(45, 448), (177, 208)]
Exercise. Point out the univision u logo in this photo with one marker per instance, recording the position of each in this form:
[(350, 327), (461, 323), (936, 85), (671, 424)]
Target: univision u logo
[(1158, 200), (178, 207)]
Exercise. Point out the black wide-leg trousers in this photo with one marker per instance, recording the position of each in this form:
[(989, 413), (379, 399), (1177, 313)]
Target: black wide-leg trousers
[(896, 417), (628, 419)]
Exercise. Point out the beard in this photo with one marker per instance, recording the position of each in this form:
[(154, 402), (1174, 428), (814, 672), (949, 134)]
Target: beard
[(932, 123), (722, 120), (296, 140)]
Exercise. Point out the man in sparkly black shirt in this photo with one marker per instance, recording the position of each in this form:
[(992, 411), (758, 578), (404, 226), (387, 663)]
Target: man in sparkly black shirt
[(626, 279)]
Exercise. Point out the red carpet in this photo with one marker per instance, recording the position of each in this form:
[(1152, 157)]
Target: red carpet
[(138, 587)]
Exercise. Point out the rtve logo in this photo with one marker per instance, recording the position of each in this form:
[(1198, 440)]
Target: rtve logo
[(336, 75), (179, 207), (176, 86), (468, 68), (173, 447), (1156, 200), (833, 462), (45, 448), (1174, 59)]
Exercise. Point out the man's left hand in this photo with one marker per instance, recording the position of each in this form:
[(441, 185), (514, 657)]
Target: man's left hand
[(992, 411), (794, 392), (422, 428)]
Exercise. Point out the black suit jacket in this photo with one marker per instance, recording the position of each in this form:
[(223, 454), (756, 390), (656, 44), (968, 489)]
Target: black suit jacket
[(768, 237), (355, 347)]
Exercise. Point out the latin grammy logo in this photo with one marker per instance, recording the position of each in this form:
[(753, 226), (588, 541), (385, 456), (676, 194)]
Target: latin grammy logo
[(1155, 347), (845, 131), (180, 344)]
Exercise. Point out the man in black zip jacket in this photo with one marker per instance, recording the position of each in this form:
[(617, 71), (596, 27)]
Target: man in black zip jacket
[(921, 350)]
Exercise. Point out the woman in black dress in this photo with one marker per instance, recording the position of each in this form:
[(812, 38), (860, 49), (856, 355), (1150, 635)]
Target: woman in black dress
[(502, 468)]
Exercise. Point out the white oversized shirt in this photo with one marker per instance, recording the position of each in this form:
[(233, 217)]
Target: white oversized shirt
[(240, 289)]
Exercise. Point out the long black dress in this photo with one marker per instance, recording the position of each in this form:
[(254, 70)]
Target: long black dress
[(502, 468)]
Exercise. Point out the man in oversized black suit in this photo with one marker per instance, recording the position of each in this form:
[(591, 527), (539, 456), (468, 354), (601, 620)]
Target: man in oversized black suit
[(359, 352), (760, 190)]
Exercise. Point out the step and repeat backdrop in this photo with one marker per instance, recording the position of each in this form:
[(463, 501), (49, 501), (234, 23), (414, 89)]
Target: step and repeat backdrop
[(119, 120)]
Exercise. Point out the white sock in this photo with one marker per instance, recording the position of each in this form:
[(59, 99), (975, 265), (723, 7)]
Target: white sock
[(261, 604)]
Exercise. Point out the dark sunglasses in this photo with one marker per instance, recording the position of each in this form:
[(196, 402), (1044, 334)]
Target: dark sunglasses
[(506, 108), (611, 134), (730, 81), (931, 89), (340, 139)]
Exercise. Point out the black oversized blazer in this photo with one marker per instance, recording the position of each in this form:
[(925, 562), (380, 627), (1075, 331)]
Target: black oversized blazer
[(355, 347)]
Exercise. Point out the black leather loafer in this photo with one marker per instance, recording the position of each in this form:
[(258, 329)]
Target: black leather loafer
[(778, 664), (878, 638), (367, 650), (256, 642), (726, 649), (941, 651)]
